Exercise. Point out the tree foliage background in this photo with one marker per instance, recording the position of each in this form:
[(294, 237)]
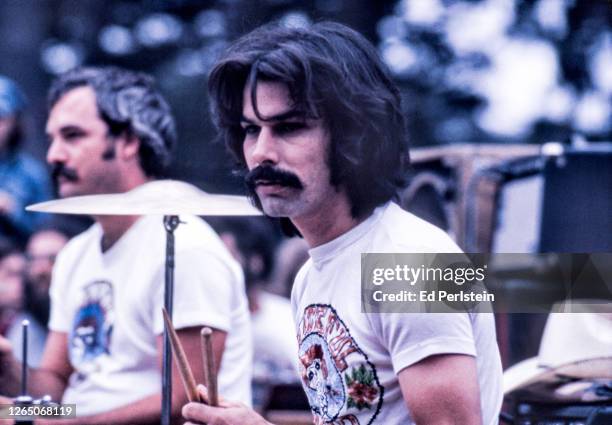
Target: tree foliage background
[(478, 71)]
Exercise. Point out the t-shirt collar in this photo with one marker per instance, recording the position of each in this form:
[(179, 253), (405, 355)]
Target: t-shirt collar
[(326, 252), (125, 239)]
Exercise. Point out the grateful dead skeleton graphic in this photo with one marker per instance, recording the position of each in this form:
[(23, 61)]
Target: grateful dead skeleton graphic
[(339, 380), (89, 339)]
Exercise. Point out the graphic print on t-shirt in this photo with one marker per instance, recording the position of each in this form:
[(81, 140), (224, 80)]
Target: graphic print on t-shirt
[(339, 380), (89, 338)]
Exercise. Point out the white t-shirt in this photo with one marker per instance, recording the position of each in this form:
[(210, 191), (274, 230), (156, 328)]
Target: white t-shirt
[(349, 360), (274, 344), (109, 304)]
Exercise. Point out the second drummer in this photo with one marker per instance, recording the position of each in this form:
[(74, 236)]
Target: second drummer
[(110, 131)]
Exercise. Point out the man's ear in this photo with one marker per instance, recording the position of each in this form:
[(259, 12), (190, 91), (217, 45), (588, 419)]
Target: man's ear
[(128, 147)]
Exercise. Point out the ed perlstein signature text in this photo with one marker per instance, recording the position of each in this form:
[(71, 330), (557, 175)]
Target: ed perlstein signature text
[(433, 279)]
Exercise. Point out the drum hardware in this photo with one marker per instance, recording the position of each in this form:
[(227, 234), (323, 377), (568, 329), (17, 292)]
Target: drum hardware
[(24, 399), (574, 393)]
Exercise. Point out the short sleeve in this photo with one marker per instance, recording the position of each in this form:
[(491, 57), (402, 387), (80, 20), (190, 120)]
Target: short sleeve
[(206, 290), (412, 337)]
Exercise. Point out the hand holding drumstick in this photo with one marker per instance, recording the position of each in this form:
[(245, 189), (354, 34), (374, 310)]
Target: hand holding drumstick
[(226, 412), (183, 367)]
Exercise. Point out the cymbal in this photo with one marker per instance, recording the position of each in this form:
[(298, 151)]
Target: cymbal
[(159, 197)]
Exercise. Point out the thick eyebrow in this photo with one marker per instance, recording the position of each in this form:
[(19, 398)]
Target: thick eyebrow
[(292, 113), (71, 128)]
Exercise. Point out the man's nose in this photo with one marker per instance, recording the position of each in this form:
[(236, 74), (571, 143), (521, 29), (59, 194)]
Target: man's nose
[(56, 153), (265, 148)]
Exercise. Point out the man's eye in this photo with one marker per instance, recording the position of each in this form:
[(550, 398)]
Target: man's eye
[(288, 127), (250, 129), (72, 135)]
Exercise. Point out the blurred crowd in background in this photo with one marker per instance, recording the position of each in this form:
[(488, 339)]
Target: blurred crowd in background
[(470, 71)]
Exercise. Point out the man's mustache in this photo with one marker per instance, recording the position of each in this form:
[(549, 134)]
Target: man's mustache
[(60, 170), (267, 174)]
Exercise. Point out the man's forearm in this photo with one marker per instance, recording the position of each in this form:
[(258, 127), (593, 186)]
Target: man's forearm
[(50, 379), (40, 383), (10, 380), (146, 411), (43, 382)]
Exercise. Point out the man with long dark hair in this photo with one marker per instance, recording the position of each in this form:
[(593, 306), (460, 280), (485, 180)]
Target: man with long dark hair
[(315, 121)]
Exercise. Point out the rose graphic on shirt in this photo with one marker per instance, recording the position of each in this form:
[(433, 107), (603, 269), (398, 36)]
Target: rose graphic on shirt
[(89, 338), (361, 388), (341, 384)]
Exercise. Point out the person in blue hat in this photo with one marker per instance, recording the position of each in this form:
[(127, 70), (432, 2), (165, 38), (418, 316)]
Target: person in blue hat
[(23, 179)]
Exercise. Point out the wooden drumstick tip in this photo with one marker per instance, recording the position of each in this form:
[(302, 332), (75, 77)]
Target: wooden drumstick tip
[(210, 375), (181, 360)]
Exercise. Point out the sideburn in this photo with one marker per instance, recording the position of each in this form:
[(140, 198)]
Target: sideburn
[(110, 153)]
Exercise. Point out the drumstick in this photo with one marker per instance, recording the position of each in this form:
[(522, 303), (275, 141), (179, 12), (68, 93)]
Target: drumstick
[(181, 361), (210, 376)]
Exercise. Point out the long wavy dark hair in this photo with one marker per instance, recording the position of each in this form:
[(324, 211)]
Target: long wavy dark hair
[(332, 73)]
